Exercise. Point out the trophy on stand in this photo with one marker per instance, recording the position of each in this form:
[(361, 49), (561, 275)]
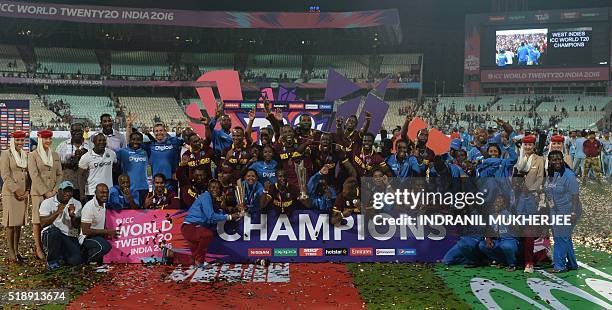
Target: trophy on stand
[(239, 193), (300, 171)]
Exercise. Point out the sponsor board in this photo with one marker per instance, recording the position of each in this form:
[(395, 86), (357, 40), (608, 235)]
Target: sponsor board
[(311, 251), (336, 252), (308, 234), (383, 252), (247, 105), (260, 252), (497, 18), (570, 15), (297, 106), (285, 252), (406, 251), (361, 251), (311, 106)]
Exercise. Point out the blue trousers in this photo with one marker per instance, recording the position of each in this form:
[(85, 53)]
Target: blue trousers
[(469, 249), (454, 256), (578, 165), (61, 247), (465, 251), (527, 203), (96, 247), (504, 250), (607, 160), (563, 248)]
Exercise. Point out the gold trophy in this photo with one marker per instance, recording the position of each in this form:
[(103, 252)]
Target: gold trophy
[(239, 193), (300, 171)]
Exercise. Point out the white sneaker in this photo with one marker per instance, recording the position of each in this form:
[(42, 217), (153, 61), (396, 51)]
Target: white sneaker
[(529, 269), (103, 268)]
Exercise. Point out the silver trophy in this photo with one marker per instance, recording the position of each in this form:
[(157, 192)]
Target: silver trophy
[(300, 171)]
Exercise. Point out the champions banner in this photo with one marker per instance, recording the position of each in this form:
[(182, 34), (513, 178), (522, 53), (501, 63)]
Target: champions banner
[(304, 236)]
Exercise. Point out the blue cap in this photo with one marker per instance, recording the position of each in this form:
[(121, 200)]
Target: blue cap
[(455, 144), (65, 185)]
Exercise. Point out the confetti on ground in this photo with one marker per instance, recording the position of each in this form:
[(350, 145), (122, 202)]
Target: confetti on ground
[(372, 285)]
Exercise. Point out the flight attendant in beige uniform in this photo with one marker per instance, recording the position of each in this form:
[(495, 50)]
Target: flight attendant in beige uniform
[(46, 173), (14, 172), (531, 167)]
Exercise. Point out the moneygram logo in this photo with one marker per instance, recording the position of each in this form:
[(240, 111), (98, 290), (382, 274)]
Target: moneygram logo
[(260, 252), (285, 252), (385, 252), (311, 252), (406, 251), (336, 252), (361, 251)]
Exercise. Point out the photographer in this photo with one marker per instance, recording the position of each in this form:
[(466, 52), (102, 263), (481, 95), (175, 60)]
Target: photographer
[(70, 152)]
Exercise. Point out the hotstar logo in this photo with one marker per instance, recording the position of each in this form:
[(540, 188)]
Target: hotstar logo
[(336, 252)]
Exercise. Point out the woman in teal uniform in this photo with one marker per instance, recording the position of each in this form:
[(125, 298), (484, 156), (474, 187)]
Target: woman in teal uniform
[(562, 194)]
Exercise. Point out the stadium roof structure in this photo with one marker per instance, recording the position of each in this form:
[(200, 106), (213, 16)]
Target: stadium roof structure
[(50, 23)]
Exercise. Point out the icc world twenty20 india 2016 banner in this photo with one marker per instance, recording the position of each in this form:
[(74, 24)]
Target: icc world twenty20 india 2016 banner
[(304, 236)]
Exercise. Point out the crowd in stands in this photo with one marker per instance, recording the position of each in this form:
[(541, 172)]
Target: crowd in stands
[(250, 76), (531, 114), (54, 63)]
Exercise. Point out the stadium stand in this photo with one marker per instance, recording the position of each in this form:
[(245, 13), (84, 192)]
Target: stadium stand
[(575, 103), (273, 66), (89, 107), (164, 109), (393, 118), (586, 120), (394, 63), (10, 60), (209, 62), (351, 66), (139, 63), (66, 60), (460, 103)]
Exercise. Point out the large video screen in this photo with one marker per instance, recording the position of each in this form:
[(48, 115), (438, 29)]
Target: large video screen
[(548, 45)]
